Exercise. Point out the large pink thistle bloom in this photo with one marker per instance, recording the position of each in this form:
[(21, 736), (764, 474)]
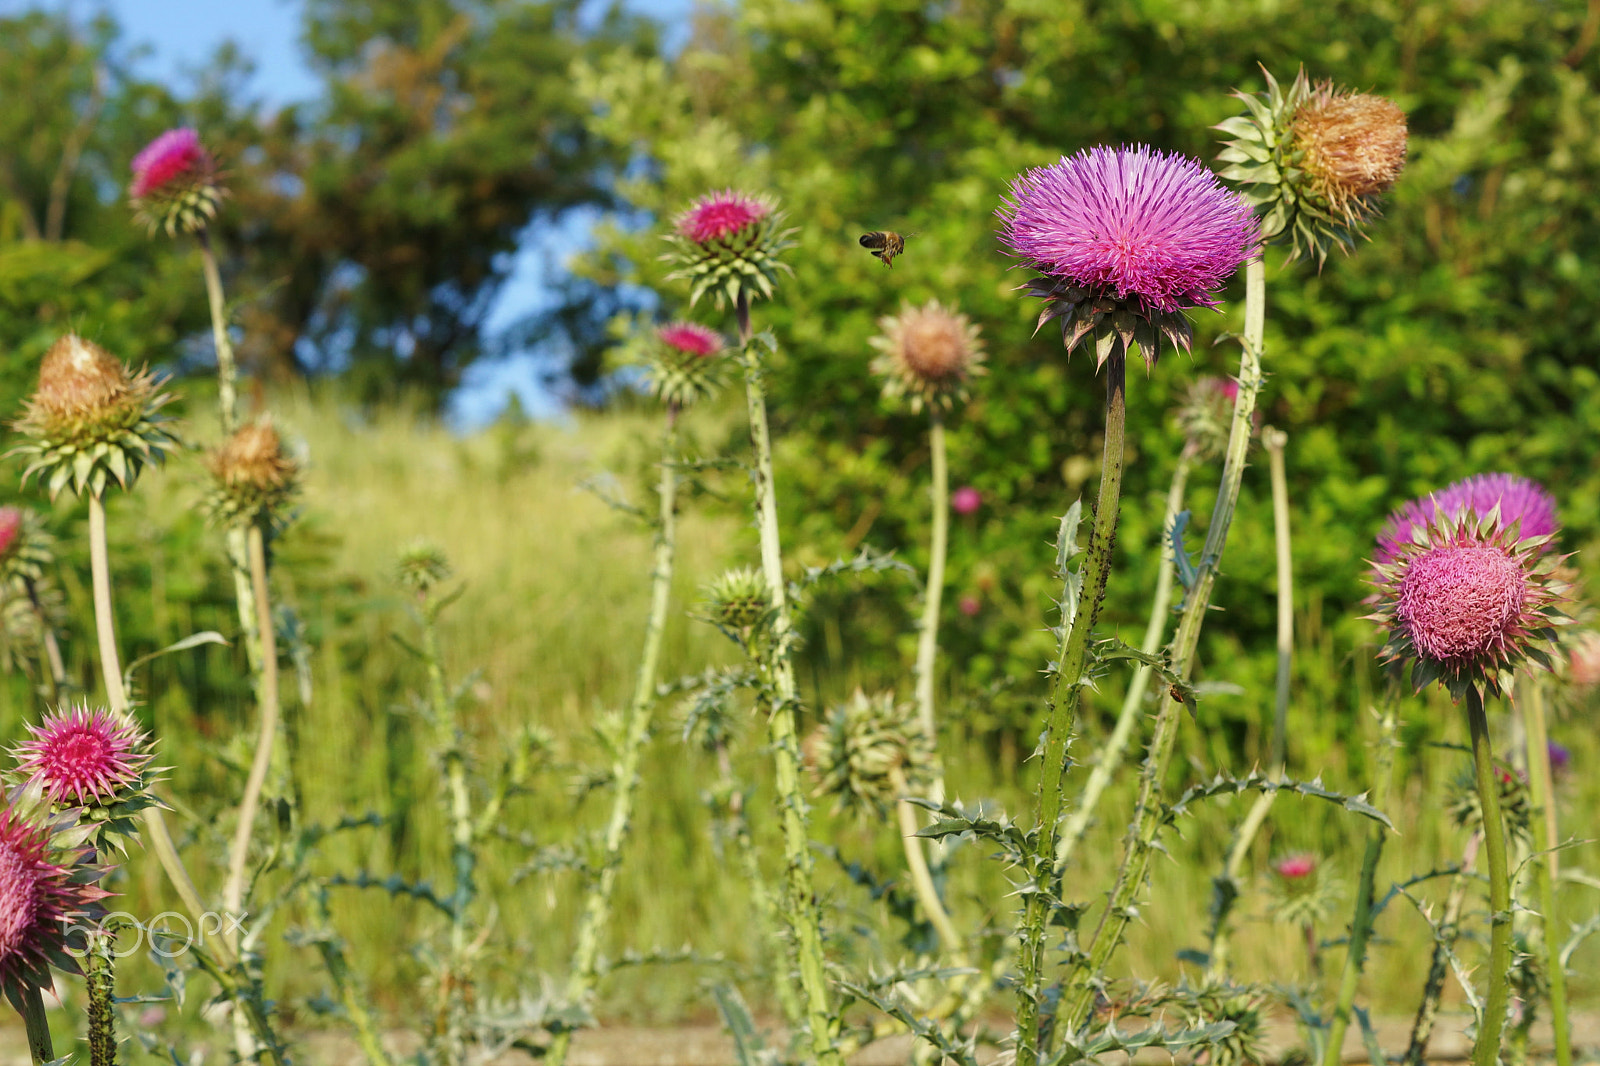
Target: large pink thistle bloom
[(82, 755), (1524, 505), (39, 899), (168, 157), (720, 215), (1134, 223)]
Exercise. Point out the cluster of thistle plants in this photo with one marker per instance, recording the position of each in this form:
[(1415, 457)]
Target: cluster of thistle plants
[(1122, 244)]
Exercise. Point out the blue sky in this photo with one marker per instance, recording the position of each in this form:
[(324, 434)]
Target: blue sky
[(183, 34)]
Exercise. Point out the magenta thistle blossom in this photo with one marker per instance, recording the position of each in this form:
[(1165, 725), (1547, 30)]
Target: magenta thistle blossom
[(1295, 867), (10, 530), (690, 338), (1524, 506), (966, 500), (42, 893), (83, 755), (1127, 240), (1466, 602), (175, 183), (719, 215), (166, 159)]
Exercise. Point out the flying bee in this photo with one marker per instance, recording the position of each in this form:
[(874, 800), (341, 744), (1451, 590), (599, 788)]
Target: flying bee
[(885, 245)]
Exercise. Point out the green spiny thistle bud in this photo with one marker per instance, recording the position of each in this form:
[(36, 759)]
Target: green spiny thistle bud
[(1301, 892), (869, 752), (252, 478), (727, 243), (928, 353), (1207, 416), (1466, 809), (91, 419), (422, 567), (738, 600), (1222, 1001), (1313, 160)]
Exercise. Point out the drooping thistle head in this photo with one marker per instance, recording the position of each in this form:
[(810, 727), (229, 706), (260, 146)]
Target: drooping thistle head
[(727, 243), (738, 601), (685, 363), (1465, 806), (47, 892), (927, 354), (176, 183), (1207, 416), (1525, 507), (1300, 891), (1466, 602), (1314, 160), (252, 477), (422, 567), (91, 419), (1125, 241), (868, 752)]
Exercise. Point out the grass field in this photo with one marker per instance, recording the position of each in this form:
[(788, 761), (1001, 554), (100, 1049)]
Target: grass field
[(546, 635)]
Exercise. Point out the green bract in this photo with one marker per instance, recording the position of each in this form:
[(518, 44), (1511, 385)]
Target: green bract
[(745, 261), (869, 752)]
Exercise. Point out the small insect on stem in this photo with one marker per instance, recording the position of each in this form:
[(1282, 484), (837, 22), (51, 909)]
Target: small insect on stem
[(885, 245)]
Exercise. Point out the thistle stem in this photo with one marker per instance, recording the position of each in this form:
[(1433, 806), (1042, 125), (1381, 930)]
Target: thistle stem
[(234, 889), (917, 863), (158, 838), (1111, 756), (625, 768), (37, 1024), (1079, 995), (1227, 891), (338, 968), (928, 635), (1355, 958), (1544, 865), (800, 903), (52, 649), (1487, 1049), (227, 369), (99, 978), (1065, 697)]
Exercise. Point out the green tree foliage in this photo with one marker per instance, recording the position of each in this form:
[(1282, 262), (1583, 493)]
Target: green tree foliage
[(1459, 340)]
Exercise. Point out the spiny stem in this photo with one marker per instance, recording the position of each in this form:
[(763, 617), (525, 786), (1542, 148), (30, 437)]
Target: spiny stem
[(227, 370), (233, 890), (625, 768), (37, 1024), (1439, 966), (1487, 1049), (802, 910), (338, 968), (1065, 696), (1355, 959), (1110, 758), (1544, 866), (99, 978), (1079, 996)]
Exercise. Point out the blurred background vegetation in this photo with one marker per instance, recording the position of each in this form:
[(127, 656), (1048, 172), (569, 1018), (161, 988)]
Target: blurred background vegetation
[(370, 229)]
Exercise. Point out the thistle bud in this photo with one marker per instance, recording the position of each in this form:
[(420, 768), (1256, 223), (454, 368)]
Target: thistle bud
[(928, 354), (727, 243), (422, 567), (252, 478), (1207, 415), (26, 548), (685, 363), (738, 600), (1314, 159), (1300, 891), (176, 183), (868, 752), (91, 418), (1465, 807)]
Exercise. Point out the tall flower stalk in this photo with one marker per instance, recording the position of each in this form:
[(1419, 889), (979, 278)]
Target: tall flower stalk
[(1544, 873), (1124, 242), (685, 367)]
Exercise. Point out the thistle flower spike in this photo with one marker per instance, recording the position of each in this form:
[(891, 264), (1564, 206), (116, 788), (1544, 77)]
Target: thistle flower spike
[(176, 183), (1125, 241), (727, 244)]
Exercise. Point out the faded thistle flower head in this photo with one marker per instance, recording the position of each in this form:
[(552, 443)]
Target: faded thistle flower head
[(1313, 160), (727, 243), (82, 755), (927, 355), (1125, 240), (868, 752), (252, 476), (91, 419), (1207, 415), (46, 889), (422, 567), (685, 363), (1523, 506), (176, 183), (1466, 602)]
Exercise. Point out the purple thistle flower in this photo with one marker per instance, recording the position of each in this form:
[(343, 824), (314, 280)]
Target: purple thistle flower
[(690, 338), (1128, 230), (966, 500), (41, 892), (83, 755), (718, 216), (164, 159), (1523, 504), (1560, 757)]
